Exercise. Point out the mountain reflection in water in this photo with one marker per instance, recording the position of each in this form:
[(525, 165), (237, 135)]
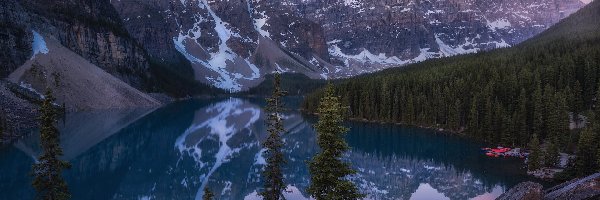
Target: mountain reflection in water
[(175, 151)]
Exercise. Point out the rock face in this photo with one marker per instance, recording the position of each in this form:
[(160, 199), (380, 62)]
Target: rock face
[(578, 189), (76, 83), (524, 191), (90, 28), (15, 40), (583, 188), (225, 40), (233, 44)]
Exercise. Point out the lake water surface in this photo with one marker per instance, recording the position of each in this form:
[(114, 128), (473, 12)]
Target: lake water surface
[(175, 151)]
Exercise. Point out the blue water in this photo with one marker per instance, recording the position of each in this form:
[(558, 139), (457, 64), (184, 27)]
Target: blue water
[(175, 151)]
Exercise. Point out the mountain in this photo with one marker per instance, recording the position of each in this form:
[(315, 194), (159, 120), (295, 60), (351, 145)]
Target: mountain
[(89, 28), (233, 44), (502, 96), (92, 29), (77, 83)]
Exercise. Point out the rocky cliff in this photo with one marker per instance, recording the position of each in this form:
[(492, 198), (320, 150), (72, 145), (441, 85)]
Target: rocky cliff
[(233, 44), (92, 29)]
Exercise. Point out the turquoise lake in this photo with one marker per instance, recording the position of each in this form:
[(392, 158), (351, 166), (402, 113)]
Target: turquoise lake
[(173, 152)]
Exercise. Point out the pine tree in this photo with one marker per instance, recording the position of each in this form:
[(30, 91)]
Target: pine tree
[(551, 154), (585, 159), (562, 122), (208, 195), (538, 111), (534, 158), (577, 98), (328, 172), (272, 174), (454, 116), (47, 171), (521, 118), (473, 125)]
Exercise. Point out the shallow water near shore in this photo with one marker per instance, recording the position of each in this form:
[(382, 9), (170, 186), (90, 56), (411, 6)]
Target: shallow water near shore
[(173, 152)]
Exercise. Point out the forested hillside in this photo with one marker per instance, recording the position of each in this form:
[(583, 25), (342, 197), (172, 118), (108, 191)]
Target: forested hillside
[(504, 96)]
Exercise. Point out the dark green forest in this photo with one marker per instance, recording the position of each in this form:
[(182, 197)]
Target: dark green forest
[(503, 96)]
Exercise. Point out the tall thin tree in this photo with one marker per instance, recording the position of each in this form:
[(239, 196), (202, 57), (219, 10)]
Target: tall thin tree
[(47, 171), (328, 172), (208, 195), (274, 185)]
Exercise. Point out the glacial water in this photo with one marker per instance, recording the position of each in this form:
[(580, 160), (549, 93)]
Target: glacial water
[(175, 151)]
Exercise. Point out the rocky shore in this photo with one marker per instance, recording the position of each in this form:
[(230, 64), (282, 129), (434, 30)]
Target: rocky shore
[(577, 189)]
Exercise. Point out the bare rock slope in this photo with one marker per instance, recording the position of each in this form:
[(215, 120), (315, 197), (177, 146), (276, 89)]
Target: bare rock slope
[(77, 83)]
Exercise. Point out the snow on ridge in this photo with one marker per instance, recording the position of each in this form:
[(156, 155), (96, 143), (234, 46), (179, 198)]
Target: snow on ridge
[(38, 45), (467, 47), (218, 61), (258, 22), (447, 50), (366, 56), (352, 3), (499, 24)]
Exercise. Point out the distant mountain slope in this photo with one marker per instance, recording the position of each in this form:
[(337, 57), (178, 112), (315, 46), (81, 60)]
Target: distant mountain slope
[(579, 25), (503, 96), (76, 82), (93, 30), (234, 44)]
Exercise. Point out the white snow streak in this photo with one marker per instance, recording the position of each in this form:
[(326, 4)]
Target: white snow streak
[(38, 45)]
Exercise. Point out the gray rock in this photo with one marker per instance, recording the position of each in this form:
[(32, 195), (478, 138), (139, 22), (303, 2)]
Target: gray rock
[(524, 191), (91, 28), (577, 189), (328, 38)]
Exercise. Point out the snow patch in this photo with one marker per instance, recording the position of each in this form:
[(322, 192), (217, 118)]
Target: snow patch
[(366, 57), (352, 3), (218, 61), (499, 24), (447, 50), (38, 45)]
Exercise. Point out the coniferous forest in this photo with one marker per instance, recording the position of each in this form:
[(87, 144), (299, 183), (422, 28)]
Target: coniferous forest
[(504, 96)]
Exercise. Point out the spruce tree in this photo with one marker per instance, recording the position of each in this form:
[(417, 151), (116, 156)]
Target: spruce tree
[(473, 120), (564, 134), (272, 175), (328, 172), (47, 171), (208, 195), (538, 111), (534, 158), (521, 118), (585, 160), (551, 154), (454, 116)]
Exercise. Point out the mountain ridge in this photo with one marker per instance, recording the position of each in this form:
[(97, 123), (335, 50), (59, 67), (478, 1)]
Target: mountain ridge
[(329, 39)]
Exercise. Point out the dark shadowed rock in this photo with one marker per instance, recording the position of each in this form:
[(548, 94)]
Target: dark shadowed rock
[(90, 28), (577, 189), (524, 191)]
